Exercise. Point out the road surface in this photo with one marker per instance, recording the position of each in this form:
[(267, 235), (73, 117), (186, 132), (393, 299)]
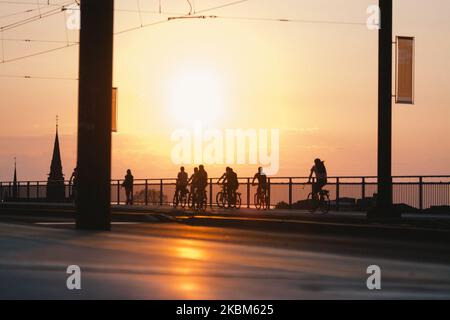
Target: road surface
[(193, 259)]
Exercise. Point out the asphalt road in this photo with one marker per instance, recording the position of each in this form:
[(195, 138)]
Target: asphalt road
[(208, 258)]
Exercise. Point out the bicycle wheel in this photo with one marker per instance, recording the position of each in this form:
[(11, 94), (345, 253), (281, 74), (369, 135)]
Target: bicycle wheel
[(313, 204), (175, 200), (184, 200), (202, 204), (220, 200), (264, 202), (257, 201), (190, 202), (238, 201), (325, 203)]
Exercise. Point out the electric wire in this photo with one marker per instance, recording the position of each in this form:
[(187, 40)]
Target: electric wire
[(36, 77)]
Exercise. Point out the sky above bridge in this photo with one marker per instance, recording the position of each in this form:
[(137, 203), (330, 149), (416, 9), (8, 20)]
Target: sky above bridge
[(314, 80)]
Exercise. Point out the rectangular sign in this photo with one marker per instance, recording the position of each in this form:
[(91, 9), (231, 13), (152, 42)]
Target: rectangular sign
[(114, 110), (404, 83)]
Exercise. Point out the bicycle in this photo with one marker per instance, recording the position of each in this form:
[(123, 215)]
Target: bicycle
[(198, 201), (261, 200), (237, 200), (181, 198), (222, 199), (322, 204)]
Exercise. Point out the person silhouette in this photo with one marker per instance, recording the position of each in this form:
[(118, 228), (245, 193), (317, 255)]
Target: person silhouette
[(182, 183), (202, 178), (73, 182), (193, 180), (202, 183), (262, 181), (128, 185), (232, 185), (320, 171)]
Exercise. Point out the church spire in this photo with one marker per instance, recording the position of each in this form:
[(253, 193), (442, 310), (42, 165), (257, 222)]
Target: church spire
[(55, 185), (56, 165)]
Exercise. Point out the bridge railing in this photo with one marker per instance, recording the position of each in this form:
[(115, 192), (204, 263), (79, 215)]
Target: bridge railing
[(416, 192)]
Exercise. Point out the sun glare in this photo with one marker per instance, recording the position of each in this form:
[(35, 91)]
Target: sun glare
[(196, 96)]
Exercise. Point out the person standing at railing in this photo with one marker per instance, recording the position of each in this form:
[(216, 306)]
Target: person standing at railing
[(320, 171), (128, 185), (73, 182)]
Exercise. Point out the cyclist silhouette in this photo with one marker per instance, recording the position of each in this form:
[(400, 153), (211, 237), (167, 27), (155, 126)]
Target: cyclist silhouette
[(224, 176), (320, 171), (262, 181), (193, 180), (199, 197), (224, 180), (202, 178), (182, 182), (232, 184)]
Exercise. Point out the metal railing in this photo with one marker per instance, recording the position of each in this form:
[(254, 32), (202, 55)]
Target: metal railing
[(416, 192)]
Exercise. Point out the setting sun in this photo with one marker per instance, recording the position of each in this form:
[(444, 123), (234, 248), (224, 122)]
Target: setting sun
[(196, 95)]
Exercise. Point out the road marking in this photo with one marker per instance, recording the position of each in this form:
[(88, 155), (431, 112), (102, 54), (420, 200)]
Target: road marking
[(327, 223), (73, 223)]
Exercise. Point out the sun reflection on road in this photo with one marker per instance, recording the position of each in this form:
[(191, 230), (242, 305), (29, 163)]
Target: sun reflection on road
[(190, 257), (186, 249), (189, 253)]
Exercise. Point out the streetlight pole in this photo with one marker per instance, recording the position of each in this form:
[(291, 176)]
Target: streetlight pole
[(384, 207), (94, 115)]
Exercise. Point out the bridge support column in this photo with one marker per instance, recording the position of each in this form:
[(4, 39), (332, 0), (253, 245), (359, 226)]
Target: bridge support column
[(94, 115), (384, 207)]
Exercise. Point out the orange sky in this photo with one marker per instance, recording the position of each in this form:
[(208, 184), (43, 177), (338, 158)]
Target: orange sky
[(316, 83)]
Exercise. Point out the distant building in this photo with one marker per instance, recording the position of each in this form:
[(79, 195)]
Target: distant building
[(55, 184)]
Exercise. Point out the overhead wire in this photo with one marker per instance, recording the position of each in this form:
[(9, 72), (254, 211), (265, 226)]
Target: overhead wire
[(36, 77), (187, 16), (306, 21), (190, 7), (36, 40), (117, 33), (39, 53), (41, 15), (28, 3), (17, 13)]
